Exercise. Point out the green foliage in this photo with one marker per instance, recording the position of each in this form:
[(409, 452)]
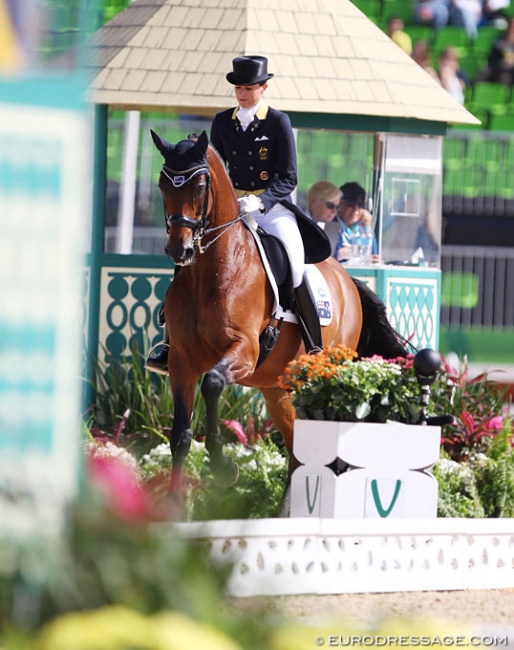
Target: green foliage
[(495, 476), (458, 492), (257, 493), (130, 404)]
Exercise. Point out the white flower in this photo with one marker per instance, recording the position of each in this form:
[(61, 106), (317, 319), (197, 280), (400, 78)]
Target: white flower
[(110, 450)]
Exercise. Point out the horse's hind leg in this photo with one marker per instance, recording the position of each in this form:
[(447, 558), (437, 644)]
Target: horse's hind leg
[(281, 411), (224, 469)]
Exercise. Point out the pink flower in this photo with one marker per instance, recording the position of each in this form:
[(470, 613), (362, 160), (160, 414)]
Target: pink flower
[(118, 483), (237, 429), (495, 423)]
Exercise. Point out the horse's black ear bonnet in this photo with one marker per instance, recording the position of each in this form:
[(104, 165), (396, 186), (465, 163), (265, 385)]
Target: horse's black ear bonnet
[(185, 155)]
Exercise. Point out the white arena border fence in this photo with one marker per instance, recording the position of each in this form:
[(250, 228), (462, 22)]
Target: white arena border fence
[(336, 556)]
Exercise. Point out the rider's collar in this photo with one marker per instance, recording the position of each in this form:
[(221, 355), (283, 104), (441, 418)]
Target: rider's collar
[(261, 112)]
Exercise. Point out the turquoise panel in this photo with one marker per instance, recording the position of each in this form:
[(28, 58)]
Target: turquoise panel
[(412, 298), (129, 318)]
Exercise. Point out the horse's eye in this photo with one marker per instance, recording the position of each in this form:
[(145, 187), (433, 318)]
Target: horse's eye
[(199, 190)]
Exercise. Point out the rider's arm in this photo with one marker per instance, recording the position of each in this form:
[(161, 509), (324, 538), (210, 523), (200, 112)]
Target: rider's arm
[(286, 177)]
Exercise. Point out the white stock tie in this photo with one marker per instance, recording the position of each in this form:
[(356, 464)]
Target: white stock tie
[(245, 116)]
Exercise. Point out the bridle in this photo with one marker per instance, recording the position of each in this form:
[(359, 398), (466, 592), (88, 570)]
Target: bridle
[(198, 226)]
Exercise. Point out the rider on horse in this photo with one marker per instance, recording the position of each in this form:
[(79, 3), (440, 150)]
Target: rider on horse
[(257, 144)]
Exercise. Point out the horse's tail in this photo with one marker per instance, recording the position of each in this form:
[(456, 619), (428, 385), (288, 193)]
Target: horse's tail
[(378, 335)]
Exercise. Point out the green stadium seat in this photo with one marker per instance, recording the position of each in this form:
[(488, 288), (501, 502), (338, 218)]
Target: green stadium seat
[(420, 33), (453, 36), (486, 36), (503, 122), (397, 8), (459, 289), (472, 63), (371, 8), (488, 93)]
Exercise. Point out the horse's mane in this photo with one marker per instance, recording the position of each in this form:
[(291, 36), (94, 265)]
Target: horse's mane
[(217, 165)]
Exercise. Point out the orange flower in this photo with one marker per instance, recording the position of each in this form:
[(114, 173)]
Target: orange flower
[(309, 367)]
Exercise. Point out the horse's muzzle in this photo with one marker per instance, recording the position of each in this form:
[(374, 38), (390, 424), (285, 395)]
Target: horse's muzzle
[(180, 254)]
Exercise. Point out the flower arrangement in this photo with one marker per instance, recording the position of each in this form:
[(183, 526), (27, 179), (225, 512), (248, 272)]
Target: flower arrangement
[(334, 385)]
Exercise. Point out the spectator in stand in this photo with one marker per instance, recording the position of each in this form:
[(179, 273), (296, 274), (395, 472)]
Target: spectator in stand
[(501, 57), (421, 54), (494, 12), (450, 75), (468, 14), (354, 220), (432, 12), (439, 13), (323, 199), (397, 35)]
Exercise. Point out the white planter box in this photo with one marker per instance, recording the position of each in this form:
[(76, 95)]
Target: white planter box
[(388, 475)]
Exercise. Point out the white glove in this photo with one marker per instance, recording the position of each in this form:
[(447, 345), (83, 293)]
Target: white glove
[(250, 203)]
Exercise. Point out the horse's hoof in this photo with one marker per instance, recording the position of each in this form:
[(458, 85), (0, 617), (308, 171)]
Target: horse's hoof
[(170, 507), (225, 471)]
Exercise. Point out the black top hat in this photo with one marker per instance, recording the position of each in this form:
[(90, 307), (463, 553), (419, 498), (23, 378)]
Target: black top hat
[(249, 70), (353, 193)]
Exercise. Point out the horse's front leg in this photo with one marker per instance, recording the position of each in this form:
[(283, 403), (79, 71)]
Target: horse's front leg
[(183, 388), (224, 469)]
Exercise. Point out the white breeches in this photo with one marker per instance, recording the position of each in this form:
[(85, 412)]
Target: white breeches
[(281, 222)]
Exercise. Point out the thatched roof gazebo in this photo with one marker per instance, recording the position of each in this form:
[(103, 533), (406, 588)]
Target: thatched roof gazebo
[(334, 67)]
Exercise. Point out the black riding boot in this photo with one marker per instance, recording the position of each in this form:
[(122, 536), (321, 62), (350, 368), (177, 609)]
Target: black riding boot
[(308, 319), (159, 362)]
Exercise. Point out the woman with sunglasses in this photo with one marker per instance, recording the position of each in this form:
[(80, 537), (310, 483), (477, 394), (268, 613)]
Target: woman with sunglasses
[(323, 200)]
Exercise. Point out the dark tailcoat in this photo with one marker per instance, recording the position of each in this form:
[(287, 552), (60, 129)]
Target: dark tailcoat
[(262, 160)]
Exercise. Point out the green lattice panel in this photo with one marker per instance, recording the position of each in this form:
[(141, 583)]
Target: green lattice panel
[(130, 300), (413, 309)]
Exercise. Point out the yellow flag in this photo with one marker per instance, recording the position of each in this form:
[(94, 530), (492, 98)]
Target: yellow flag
[(10, 53)]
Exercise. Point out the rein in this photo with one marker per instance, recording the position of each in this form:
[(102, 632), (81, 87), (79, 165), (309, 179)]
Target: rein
[(198, 226)]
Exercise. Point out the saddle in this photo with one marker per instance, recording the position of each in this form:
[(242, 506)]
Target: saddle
[(278, 269), (316, 243)]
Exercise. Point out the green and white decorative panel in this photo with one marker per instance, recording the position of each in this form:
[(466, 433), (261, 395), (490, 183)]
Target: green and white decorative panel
[(413, 309), (130, 300), (412, 299), (43, 210)]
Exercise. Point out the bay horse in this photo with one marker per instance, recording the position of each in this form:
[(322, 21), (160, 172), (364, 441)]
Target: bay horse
[(220, 302)]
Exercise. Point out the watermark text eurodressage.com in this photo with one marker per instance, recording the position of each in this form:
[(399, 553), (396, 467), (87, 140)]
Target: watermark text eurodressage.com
[(369, 640)]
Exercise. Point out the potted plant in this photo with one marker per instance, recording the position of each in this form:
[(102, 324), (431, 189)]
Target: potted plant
[(360, 453), (335, 386)]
